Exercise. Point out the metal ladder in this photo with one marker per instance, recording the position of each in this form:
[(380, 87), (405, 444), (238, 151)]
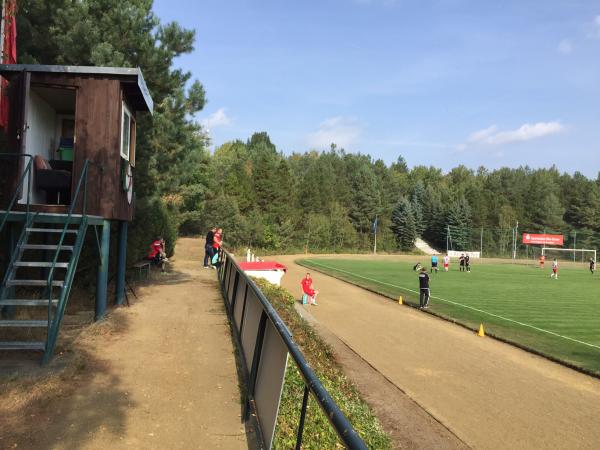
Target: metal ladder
[(31, 257)]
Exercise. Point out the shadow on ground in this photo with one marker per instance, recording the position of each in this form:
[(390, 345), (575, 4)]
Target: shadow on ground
[(55, 406)]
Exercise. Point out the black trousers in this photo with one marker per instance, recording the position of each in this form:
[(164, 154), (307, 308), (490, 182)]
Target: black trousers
[(423, 297), (208, 254)]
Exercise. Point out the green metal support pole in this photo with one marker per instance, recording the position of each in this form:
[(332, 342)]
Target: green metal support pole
[(121, 264), (102, 274)]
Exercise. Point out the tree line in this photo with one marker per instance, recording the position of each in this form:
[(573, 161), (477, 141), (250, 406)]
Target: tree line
[(327, 201)]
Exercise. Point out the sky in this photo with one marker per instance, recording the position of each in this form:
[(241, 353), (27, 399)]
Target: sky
[(442, 83)]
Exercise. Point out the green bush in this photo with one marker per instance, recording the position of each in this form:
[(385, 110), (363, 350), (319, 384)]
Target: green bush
[(153, 218)]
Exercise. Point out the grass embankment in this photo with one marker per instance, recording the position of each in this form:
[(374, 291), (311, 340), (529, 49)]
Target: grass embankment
[(318, 433), (521, 304)]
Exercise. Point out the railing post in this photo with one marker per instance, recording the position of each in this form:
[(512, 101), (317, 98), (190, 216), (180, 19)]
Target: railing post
[(121, 263), (302, 417)]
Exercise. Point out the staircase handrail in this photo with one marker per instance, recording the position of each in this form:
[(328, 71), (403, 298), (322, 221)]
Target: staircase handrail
[(82, 180), (19, 186)]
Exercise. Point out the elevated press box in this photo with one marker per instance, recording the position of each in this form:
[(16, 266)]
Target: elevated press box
[(63, 115)]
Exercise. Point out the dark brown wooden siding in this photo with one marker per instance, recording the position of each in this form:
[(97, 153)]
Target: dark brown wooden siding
[(98, 134)]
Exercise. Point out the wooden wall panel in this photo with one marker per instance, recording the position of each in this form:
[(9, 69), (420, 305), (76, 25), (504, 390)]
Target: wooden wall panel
[(98, 133)]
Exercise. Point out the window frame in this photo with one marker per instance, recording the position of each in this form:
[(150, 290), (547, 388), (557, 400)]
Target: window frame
[(130, 156)]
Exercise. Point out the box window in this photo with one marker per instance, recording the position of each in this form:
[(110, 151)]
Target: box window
[(127, 135)]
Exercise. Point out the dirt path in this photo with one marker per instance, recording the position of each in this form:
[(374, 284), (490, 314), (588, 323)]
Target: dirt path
[(489, 394), (168, 380)]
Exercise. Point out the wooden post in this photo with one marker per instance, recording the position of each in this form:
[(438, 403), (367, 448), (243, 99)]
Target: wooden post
[(121, 264), (102, 274)]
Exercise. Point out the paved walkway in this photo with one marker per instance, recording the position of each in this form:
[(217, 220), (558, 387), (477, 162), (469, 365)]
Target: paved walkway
[(489, 394)]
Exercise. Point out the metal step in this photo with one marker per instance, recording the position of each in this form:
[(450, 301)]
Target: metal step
[(24, 323), (43, 283), (22, 345), (46, 247), (50, 230), (58, 265), (26, 302)]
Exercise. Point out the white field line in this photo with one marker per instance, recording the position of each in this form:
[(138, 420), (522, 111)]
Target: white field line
[(463, 306)]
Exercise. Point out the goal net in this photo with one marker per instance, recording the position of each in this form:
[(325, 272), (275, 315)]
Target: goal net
[(572, 254)]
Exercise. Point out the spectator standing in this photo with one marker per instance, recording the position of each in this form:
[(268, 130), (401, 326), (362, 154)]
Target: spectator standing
[(423, 289), (217, 241), (208, 246)]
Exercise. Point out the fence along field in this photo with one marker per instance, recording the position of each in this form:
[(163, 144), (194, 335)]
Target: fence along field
[(516, 302)]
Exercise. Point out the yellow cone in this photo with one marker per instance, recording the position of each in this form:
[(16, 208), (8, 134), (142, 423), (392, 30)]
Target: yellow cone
[(400, 300), (481, 330)]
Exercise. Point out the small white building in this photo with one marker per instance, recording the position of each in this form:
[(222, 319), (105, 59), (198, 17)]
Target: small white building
[(269, 270)]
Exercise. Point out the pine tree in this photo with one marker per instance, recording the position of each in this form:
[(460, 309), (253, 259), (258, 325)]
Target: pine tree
[(458, 220), (403, 225)]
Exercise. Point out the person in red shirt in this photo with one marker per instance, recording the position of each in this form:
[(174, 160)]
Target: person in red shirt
[(307, 288), (217, 240), (157, 253)]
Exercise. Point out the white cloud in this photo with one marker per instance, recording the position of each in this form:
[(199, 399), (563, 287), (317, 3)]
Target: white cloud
[(594, 29), (342, 131), (217, 119), (565, 46), (525, 132)]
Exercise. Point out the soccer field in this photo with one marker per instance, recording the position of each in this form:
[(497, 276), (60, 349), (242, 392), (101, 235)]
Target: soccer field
[(519, 303)]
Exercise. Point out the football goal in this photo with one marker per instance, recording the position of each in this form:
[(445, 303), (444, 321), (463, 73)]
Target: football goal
[(571, 253)]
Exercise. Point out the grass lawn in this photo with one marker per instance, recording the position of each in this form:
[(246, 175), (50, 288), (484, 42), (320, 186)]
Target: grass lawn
[(519, 303)]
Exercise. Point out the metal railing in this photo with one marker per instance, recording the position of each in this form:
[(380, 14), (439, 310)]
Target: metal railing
[(54, 321), (265, 342), (25, 175)]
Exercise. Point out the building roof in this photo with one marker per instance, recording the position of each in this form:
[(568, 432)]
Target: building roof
[(132, 76)]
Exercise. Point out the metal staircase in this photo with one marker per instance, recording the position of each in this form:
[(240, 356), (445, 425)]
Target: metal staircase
[(52, 283), (40, 273)]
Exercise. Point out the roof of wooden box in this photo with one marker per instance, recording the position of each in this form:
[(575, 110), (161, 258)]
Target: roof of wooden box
[(135, 84)]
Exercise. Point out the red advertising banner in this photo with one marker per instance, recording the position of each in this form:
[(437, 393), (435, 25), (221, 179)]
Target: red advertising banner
[(543, 239)]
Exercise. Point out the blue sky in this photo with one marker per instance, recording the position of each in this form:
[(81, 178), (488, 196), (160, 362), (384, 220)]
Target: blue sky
[(448, 82)]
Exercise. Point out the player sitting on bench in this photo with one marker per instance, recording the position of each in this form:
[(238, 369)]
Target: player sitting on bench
[(157, 253)]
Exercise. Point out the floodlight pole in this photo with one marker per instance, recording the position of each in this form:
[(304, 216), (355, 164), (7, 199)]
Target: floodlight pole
[(515, 241), (375, 234), (481, 244)]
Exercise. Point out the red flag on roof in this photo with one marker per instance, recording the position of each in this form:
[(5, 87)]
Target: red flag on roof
[(9, 53)]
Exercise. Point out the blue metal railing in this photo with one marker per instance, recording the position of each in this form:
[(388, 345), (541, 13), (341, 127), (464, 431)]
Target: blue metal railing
[(54, 322), (25, 175), (312, 385)]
